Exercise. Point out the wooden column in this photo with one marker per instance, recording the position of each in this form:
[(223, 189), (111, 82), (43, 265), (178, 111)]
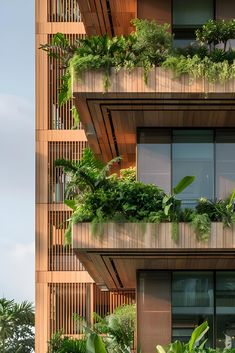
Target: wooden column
[(153, 309)]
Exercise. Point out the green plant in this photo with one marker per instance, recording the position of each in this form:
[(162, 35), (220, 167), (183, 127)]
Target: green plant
[(202, 226), (63, 344), (180, 347), (218, 211), (152, 45), (16, 327), (215, 32), (75, 116), (171, 206), (196, 67), (118, 329)]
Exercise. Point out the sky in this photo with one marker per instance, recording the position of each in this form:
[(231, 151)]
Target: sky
[(17, 149)]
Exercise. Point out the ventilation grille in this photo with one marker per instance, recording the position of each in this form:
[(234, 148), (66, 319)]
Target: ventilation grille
[(63, 11), (60, 117)]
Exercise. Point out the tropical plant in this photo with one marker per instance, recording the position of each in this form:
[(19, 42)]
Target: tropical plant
[(16, 327), (171, 206), (118, 329), (63, 344), (215, 32), (202, 226), (180, 347)]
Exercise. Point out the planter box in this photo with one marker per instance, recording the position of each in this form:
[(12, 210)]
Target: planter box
[(113, 259)]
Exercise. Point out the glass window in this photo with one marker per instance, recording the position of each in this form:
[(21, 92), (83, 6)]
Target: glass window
[(165, 156), (193, 154), (154, 158), (192, 303), (188, 16), (225, 163), (225, 309)]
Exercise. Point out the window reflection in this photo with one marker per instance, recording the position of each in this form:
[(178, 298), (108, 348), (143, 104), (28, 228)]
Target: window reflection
[(225, 309), (192, 303)]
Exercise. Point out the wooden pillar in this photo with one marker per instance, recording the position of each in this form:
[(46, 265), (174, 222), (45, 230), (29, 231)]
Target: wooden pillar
[(153, 309)]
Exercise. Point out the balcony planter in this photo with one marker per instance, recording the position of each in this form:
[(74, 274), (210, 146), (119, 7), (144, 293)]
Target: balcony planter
[(149, 236), (160, 80), (113, 260)]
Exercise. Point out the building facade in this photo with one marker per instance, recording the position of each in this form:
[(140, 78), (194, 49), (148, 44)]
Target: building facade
[(170, 127), (63, 286)]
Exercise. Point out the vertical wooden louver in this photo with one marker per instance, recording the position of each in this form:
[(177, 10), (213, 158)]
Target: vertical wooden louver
[(57, 178), (63, 11), (66, 301), (60, 257), (60, 117), (63, 287)]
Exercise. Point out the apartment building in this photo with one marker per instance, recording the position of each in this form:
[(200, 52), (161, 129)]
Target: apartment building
[(171, 127), (63, 286)]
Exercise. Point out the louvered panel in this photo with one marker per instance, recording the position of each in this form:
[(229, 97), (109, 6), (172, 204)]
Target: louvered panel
[(106, 302), (67, 299), (63, 11), (60, 257), (57, 178), (60, 117)]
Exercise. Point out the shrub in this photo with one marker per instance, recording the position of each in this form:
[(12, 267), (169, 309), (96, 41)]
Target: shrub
[(65, 344)]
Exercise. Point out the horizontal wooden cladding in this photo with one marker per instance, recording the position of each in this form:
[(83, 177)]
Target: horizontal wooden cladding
[(64, 27), (149, 237), (63, 277), (61, 135), (112, 17), (159, 81)]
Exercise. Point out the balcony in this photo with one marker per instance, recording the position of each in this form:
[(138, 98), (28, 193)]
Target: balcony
[(111, 118), (113, 259)]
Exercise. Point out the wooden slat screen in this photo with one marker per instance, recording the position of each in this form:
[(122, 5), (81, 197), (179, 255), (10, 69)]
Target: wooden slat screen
[(67, 299), (106, 302), (60, 257), (60, 117), (57, 178), (63, 11)]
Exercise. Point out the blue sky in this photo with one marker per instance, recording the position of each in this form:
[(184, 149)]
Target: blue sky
[(17, 149)]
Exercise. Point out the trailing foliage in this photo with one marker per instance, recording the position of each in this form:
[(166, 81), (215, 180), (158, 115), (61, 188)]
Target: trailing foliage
[(148, 46), (196, 67), (99, 197), (208, 57), (202, 225)]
